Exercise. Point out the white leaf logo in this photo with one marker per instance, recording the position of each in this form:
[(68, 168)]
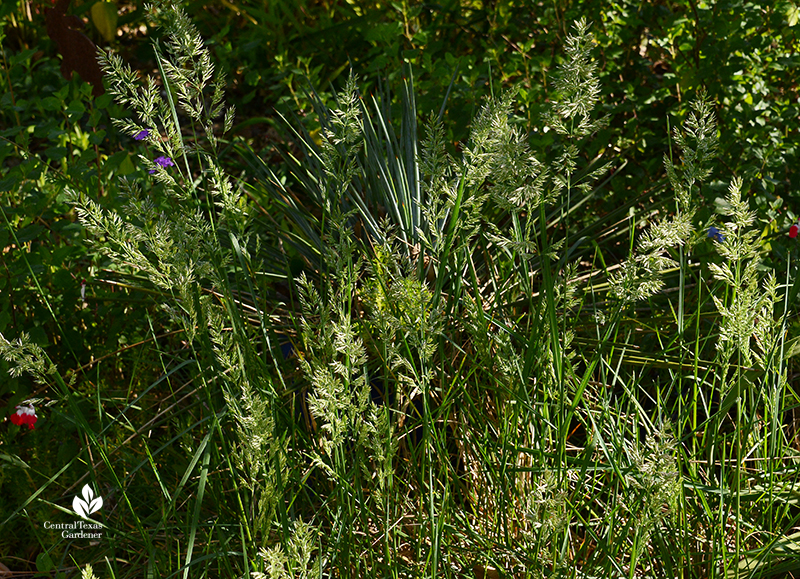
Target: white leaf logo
[(88, 504)]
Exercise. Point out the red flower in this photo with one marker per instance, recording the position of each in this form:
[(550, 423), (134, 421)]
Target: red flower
[(24, 415), (793, 230)]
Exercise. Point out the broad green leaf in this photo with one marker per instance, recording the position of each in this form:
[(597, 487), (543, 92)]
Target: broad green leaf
[(44, 564), (792, 14), (126, 167), (104, 17)]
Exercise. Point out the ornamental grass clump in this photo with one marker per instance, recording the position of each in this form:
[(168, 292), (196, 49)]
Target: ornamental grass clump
[(431, 367)]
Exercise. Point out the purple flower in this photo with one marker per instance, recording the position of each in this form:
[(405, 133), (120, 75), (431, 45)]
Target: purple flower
[(715, 234), (142, 135), (163, 162)]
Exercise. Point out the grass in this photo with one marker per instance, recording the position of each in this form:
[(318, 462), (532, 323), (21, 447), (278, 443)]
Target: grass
[(416, 362)]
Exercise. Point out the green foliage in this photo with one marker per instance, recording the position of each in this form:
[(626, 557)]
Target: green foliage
[(386, 355)]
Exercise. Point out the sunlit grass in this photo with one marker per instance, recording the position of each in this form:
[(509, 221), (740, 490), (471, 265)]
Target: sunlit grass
[(434, 367)]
